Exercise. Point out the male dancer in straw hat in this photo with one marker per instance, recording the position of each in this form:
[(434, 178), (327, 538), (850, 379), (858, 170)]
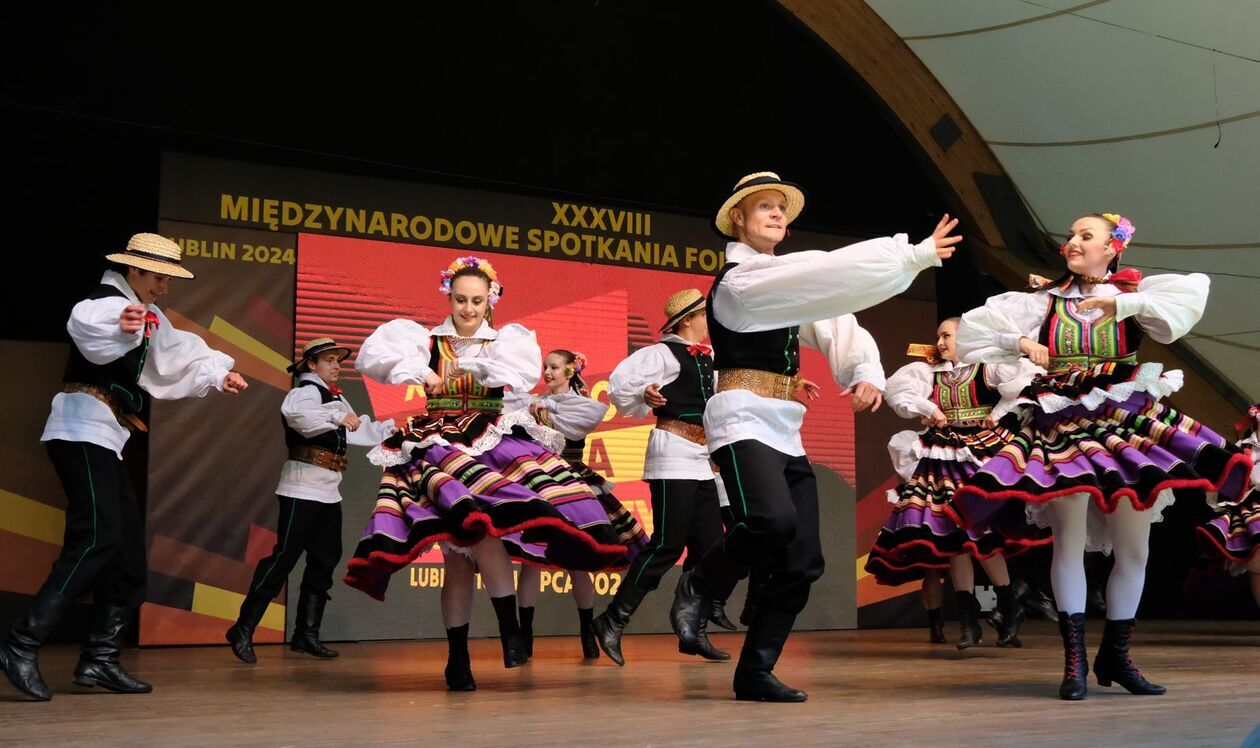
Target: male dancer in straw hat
[(762, 307), (318, 423), (673, 380), (124, 351)]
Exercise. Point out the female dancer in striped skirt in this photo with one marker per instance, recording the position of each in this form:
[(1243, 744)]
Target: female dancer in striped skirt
[(1233, 536), (969, 411), (1101, 454), (484, 483)]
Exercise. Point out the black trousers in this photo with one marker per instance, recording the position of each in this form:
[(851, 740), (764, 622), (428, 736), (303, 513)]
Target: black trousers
[(685, 516), (103, 550), (309, 527), (774, 505)]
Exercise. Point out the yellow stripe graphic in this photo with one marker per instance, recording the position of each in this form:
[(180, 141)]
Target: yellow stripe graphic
[(244, 340), (28, 517), (225, 604)]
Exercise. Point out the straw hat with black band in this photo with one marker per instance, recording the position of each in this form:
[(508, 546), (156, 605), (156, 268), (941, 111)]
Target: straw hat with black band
[(756, 182), (680, 305), (313, 349), (154, 253)]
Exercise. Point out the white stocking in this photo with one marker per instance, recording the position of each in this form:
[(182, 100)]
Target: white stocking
[(1130, 532), (1067, 569)]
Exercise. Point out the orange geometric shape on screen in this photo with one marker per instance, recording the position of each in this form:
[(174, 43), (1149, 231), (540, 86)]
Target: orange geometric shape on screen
[(25, 561), (160, 624), (262, 541), (870, 592), (247, 363), (397, 401)]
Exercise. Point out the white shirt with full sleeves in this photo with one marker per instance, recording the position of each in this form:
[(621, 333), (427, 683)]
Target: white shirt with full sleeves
[(397, 352), (669, 456), (1166, 307), (306, 413), (909, 394), (179, 364), (574, 415), (819, 291)]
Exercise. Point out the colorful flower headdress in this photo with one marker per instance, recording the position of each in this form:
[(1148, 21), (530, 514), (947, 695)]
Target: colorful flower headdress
[(1122, 233), (496, 290), (578, 365), (1249, 421)]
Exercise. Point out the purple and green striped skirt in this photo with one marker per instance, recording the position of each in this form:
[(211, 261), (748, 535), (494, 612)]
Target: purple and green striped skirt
[(1233, 536), (515, 490), (1130, 448), (920, 534)]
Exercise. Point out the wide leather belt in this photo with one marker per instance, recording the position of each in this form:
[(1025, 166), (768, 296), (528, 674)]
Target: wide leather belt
[(692, 432), (762, 383), (319, 458), (128, 420)]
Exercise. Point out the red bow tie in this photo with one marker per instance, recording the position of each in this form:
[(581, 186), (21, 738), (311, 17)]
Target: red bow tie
[(335, 390), (698, 349), (151, 323)]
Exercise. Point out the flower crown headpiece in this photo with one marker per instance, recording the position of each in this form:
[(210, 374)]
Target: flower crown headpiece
[(496, 290), (579, 363), (1249, 421), (1121, 234)]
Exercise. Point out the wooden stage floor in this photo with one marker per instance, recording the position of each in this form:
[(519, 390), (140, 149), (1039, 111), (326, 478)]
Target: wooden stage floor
[(879, 688)]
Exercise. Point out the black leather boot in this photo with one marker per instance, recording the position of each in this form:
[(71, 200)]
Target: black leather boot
[(590, 650), (608, 625), (1011, 616), (1075, 666), (527, 628), (306, 633), (756, 580), (689, 611), (1034, 601), (99, 661), (514, 653), (754, 680), (1112, 663), (703, 647), (969, 613), (459, 675), (241, 634), (717, 616), (20, 647), (936, 626)]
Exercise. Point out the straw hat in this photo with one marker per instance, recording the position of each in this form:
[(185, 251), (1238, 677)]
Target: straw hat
[(313, 349), (762, 180), (680, 305), (154, 253)]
